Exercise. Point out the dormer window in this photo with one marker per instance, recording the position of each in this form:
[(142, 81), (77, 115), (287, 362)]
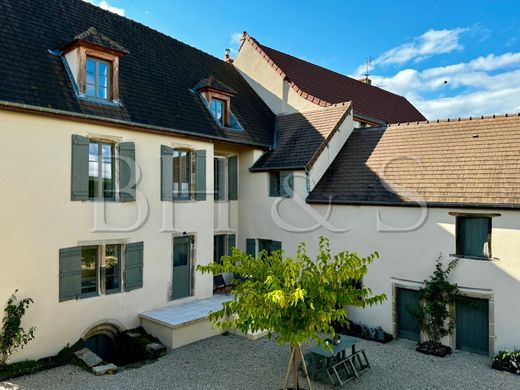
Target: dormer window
[(218, 108), (98, 79), (93, 62), (217, 97)]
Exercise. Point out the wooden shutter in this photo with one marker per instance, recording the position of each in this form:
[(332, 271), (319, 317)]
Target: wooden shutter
[(166, 173), (200, 175), (231, 243), (233, 178), (276, 245), (251, 247), (286, 184), (127, 178), (79, 179), (134, 266), (70, 273)]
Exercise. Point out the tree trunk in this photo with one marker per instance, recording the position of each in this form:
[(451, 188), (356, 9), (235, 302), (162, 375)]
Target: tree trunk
[(296, 352)]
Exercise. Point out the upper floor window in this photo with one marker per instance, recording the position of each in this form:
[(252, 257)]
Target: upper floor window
[(473, 236), (218, 108), (100, 269), (101, 170), (219, 181), (225, 178), (181, 174), (281, 183), (97, 78)]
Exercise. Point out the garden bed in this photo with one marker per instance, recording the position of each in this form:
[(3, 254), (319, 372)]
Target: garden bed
[(507, 361), (356, 330), (434, 349)]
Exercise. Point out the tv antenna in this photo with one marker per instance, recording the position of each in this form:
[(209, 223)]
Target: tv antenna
[(368, 64)]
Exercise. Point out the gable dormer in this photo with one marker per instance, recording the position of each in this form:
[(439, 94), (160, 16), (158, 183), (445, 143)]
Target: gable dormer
[(93, 61), (218, 98)]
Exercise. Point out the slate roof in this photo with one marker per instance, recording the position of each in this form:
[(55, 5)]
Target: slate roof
[(470, 162), (212, 82), (94, 37), (156, 77), (301, 136), (324, 87)]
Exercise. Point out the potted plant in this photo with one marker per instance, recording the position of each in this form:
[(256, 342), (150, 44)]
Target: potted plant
[(433, 314)]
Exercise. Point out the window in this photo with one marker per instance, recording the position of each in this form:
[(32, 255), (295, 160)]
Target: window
[(181, 174), (222, 245), (281, 184), (269, 246), (219, 181), (101, 172), (100, 269), (97, 78), (473, 236), (218, 108)]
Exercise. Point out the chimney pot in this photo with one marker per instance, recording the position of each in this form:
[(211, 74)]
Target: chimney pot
[(366, 80), (227, 56)]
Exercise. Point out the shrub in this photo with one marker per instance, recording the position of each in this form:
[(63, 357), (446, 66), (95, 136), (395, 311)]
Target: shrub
[(13, 336), (507, 361)]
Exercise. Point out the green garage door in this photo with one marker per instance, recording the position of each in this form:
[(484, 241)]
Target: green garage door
[(407, 326), (472, 325)]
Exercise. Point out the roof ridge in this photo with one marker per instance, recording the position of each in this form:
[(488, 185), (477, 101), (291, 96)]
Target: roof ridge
[(320, 108), (459, 119)]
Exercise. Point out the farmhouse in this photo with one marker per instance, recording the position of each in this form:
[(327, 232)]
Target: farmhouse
[(129, 158)]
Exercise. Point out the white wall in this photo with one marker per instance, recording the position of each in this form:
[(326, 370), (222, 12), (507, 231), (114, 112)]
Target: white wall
[(38, 218), (406, 257)]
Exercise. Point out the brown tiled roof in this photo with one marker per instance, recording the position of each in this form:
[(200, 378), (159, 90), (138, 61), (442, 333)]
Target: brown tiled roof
[(301, 136), (324, 87), (466, 163)]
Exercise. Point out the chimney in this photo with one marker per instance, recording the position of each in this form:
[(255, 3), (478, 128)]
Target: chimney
[(366, 80), (227, 57)]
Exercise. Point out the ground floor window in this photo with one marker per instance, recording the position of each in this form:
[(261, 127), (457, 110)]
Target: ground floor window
[(269, 246), (100, 269), (222, 245)]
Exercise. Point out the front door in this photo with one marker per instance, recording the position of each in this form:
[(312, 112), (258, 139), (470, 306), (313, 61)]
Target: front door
[(472, 325), (407, 325), (181, 267)]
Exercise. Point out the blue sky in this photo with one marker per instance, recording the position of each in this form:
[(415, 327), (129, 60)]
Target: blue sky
[(450, 58)]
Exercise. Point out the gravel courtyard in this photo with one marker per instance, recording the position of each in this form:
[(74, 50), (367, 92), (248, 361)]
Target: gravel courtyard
[(234, 362)]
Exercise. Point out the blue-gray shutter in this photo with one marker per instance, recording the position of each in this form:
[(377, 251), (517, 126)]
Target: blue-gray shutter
[(127, 179), (200, 175), (473, 236), (286, 184), (231, 243), (166, 173), (251, 247), (274, 185), (79, 176), (233, 178), (134, 253), (70, 273), (276, 246)]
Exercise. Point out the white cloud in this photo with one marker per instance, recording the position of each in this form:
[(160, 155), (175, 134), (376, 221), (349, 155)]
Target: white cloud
[(432, 42), (104, 5), (234, 42), (485, 85)]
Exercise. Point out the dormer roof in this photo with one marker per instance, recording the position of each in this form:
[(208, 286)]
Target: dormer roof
[(92, 37), (211, 83)]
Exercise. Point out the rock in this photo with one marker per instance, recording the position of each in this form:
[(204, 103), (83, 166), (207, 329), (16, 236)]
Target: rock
[(88, 357), (105, 369), (155, 350)]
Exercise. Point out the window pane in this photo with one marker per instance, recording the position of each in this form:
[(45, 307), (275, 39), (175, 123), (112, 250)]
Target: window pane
[(181, 173), (91, 90), (103, 92), (91, 78), (93, 170), (217, 108), (112, 267), (102, 69), (218, 247), (89, 264), (91, 66)]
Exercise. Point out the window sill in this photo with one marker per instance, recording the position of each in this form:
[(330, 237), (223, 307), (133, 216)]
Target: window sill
[(474, 257), (113, 103)]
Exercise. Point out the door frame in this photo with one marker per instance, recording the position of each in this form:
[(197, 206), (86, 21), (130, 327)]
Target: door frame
[(192, 259)]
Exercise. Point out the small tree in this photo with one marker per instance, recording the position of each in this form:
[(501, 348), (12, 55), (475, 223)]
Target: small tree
[(436, 297), (13, 336), (296, 298)]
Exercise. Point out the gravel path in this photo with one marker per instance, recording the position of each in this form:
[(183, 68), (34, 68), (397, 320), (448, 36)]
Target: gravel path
[(233, 362)]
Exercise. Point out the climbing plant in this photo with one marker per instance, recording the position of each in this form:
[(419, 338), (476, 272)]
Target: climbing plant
[(13, 336), (295, 298), (437, 294)]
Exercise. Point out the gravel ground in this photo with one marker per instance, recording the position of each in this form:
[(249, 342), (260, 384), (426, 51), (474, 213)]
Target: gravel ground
[(233, 362)]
